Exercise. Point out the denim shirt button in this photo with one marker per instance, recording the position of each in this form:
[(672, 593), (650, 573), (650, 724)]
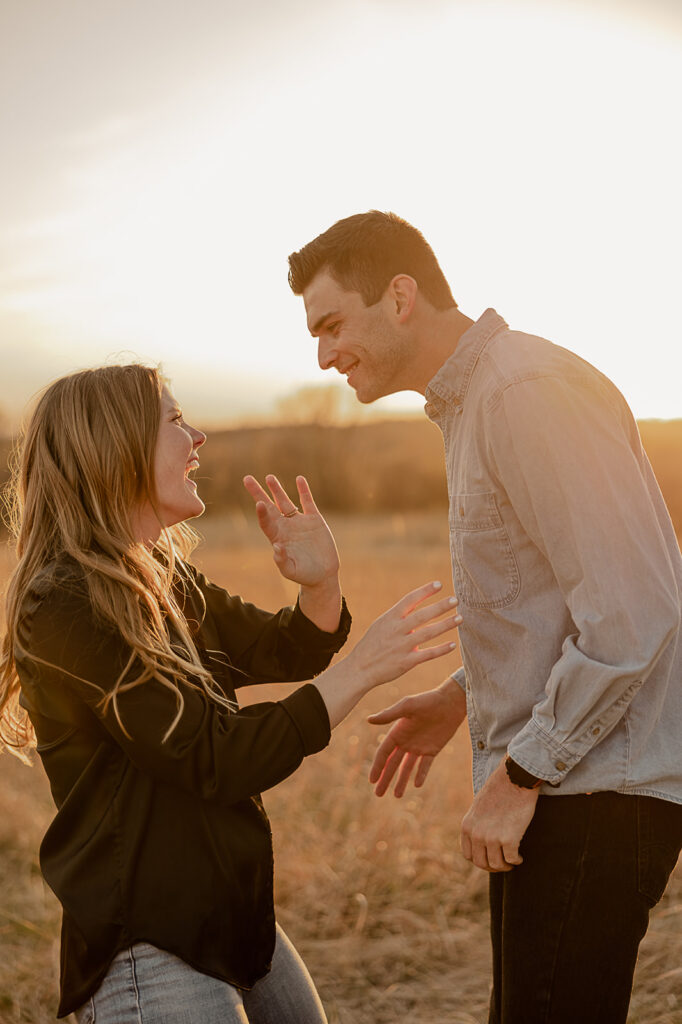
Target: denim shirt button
[(481, 745), (596, 730), (560, 766)]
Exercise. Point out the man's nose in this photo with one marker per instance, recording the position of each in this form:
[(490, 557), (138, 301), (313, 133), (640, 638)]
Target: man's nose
[(326, 354)]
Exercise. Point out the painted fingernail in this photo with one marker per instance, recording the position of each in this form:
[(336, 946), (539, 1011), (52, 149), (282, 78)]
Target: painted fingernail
[(453, 600), (452, 646), (436, 584), (458, 618)]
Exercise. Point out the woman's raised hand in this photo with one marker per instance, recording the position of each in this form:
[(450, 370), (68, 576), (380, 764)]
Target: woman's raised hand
[(302, 544)]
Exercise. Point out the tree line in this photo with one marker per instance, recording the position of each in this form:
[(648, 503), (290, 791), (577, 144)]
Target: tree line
[(373, 467)]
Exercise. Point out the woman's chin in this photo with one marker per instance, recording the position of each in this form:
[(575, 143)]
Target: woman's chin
[(190, 510), (197, 508)]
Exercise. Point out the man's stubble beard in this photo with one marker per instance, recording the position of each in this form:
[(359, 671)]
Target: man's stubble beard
[(386, 364)]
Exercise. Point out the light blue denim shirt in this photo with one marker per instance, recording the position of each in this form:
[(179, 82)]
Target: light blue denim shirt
[(566, 566)]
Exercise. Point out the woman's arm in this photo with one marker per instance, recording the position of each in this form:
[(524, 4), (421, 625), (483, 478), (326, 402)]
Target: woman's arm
[(296, 643), (389, 649), (70, 657), (267, 647)]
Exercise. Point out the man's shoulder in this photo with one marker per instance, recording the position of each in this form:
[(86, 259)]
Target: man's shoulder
[(514, 357)]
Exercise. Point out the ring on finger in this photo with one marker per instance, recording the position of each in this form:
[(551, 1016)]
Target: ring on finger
[(288, 515)]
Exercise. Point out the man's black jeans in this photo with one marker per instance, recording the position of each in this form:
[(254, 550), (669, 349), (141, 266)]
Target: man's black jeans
[(566, 924)]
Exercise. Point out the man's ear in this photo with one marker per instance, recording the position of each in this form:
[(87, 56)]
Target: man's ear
[(402, 295)]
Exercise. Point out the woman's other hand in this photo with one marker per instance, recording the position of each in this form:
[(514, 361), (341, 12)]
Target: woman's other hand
[(390, 647)]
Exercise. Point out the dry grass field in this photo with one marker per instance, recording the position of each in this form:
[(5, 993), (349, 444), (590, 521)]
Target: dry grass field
[(389, 917)]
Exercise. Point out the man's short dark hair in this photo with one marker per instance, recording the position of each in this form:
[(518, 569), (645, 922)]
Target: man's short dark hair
[(363, 253)]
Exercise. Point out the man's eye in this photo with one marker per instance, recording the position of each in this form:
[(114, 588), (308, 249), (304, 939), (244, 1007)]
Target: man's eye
[(334, 328)]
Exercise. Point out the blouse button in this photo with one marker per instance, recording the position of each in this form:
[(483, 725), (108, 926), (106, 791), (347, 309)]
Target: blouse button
[(560, 766), (481, 745), (596, 730)]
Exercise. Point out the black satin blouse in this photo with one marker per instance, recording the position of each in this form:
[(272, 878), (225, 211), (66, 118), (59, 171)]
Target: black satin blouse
[(166, 843)]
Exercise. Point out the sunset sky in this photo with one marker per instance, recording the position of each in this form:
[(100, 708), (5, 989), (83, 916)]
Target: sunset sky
[(161, 159)]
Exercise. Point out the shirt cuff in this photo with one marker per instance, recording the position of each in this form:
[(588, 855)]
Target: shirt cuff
[(308, 712), (460, 678), (540, 755), (306, 634)]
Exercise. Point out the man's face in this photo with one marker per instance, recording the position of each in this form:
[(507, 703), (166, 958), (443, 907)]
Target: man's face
[(362, 342)]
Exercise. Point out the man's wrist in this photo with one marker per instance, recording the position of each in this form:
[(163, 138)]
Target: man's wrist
[(519, 776)]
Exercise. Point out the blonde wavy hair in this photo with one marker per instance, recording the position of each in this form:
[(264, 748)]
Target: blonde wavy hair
[(84, 465)]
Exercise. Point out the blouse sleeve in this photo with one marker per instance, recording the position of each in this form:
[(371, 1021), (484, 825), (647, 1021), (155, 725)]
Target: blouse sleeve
[(68, 659), (270, 648)]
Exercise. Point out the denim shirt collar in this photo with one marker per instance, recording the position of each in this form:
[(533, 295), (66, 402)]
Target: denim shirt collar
[(450, 385)]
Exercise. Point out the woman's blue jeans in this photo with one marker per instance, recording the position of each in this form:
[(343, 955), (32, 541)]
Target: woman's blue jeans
[(145, 985), (566, 924)]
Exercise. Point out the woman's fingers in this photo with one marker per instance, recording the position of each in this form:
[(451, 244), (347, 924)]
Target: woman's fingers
[(431, 611), (434, 629), (421, 654), (407, 604), (282, 499), (256, 491), (263, 514), (306, 496)]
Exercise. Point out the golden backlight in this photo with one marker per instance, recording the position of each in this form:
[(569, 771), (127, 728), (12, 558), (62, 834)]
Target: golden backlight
[(536, 146)]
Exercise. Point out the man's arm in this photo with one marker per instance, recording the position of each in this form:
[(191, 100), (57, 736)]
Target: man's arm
[(568, 456)]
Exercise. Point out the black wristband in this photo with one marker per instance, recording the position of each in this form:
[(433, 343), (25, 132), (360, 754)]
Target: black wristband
[(519, 776)]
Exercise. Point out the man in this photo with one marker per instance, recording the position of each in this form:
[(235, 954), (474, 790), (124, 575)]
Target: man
[(569, 576)]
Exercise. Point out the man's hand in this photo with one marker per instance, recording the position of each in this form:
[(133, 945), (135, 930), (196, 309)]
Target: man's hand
[(424, 723), (496, 822)]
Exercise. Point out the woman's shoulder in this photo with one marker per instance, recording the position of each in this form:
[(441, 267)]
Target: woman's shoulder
[(62, 576), (55, 595)]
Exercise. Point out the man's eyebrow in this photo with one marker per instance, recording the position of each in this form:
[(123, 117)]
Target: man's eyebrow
[(318, 323)]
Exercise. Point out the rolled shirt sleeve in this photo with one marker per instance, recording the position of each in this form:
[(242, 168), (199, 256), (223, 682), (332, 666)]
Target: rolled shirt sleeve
[(460, 678), (568, 454)]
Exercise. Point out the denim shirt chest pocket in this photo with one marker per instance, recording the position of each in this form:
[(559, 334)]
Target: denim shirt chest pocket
[(485, 567)]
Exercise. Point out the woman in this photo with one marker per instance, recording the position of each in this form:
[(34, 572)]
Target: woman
[(121, 661)]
